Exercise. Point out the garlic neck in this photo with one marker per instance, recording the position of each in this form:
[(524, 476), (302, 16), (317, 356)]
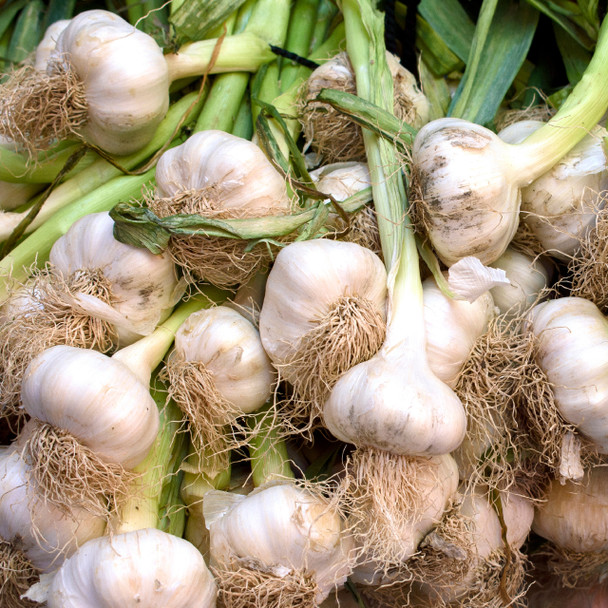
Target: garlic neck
[(237, 53)]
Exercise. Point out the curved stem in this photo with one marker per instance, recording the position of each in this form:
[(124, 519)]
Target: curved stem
[(143, 356), (581, 111)]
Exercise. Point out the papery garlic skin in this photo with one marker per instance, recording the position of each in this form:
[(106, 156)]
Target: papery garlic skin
[(560, 206), (574, 516), (280, 527), (48, 44), (144, 286), (125, 76), (305, 283), (99, 400), (342, 180), (45, 534), (469, 189), (229, 346), (572, 350), (238, 170), (528, 278), (452, 326), (145, 567)]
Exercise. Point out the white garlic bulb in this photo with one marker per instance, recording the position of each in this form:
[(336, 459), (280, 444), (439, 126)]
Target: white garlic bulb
[(468, 190), (574, 516), (127, 85), (145, 567), (452, 326), (143, 286), (96, 398), (572, 350), (44, 533), (307, 281), (278, 529), (561, 205), (233, 171), (229, 347), (218, 175), (528, 278)]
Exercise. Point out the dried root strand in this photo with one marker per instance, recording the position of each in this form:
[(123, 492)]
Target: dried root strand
[(17, 575), (246, 584), (384, 499), (588, 268), (350, 333), (38, 109), (192, 386), (69, 475), (48, 318), (223, 262)]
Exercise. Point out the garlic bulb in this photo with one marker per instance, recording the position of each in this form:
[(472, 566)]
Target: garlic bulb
[(323, 311), (389, 517), (95, 420), (337, 138), (560, 206), (280, 533), (218, 371), (529, 279), (573, 516), (218, 175), (452, 326), (44, 533), (572, 351), (147, 567), (96, 398), (117, 101), (143, 287), (464, 557)]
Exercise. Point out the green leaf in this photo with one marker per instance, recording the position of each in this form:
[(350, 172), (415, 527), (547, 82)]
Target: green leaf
[(501, 44), (574, 56), (434, 51), (452, 24), (193, 20)]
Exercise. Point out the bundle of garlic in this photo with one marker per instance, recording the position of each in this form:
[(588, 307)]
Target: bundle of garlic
[(94, 419), (35, 536), (469, 203), (95, 293), (324, 311), (395, 411), (335, 137), (113, 104), (278, 546), (219, 176)]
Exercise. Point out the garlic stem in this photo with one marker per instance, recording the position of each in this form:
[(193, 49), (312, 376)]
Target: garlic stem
[(243, 52), (267, 451), (268, 20), (143, 356), (579, 114), (159, 469)]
